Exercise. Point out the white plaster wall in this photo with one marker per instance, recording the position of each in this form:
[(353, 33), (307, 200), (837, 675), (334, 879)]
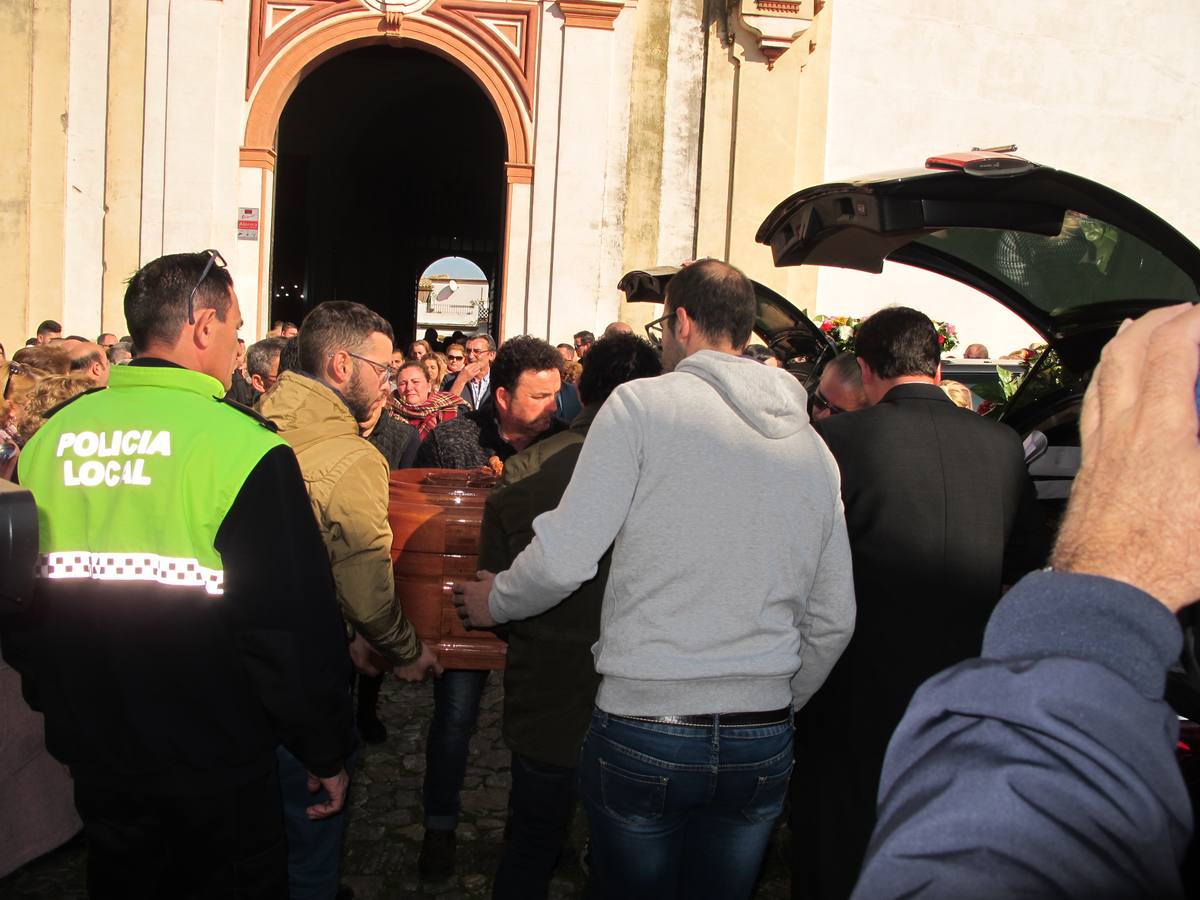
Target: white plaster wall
[(571, 316), (681, 134), (530, 312), (1108, 90), (198, 192), (154, 128), (517, 266), (86, 137), (243, 256), (229, 87), (584, 115)]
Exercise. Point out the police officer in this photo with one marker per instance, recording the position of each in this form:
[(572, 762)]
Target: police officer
[(184, 621)]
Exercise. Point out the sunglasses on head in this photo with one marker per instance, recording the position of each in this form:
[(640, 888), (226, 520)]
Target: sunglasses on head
[(214, 258)]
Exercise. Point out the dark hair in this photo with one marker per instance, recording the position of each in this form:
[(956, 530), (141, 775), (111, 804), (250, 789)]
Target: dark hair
[(157, 296), (289, 356), (584, 337), (337, 325), (482, 336), (570, 347), (898, 341), (611, 362), (286, 325), (758, 353), (49, 327), (524, 353), (260, 354), (77, 337), (717, 296)]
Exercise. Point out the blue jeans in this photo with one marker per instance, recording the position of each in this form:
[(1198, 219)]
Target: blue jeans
[(681, 810), (456, 697), (314, 848)]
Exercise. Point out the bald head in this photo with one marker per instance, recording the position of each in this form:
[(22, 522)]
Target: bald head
[(617, 328), (88, 359)]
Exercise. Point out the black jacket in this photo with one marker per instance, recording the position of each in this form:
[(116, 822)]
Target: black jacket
[(470, 440), (550, 677), (941, 513), (196, 693)]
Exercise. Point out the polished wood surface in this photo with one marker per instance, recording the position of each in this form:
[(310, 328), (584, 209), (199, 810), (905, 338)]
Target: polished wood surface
[(435, 516)]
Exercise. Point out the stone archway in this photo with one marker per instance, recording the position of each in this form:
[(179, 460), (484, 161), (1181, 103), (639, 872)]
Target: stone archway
[(494, 43)]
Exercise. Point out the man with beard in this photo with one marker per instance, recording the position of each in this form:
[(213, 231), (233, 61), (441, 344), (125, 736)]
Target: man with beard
[(344, 351), (524, 382)]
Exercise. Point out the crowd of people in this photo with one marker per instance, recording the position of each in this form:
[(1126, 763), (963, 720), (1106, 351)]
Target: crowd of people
[(718, 591)]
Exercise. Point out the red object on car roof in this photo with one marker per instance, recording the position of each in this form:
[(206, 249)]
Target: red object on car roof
[(981, 162)]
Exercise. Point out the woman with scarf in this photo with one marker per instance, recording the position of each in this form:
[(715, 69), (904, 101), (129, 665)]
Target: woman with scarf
[(418, 404)]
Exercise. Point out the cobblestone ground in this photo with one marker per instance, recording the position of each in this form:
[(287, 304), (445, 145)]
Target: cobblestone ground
[(384, 834)]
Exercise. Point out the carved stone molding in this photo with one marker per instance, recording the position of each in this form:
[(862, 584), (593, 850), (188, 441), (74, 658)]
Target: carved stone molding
[(776, 24), (257, 158), (589, 13), (505, 31), (519, 173)]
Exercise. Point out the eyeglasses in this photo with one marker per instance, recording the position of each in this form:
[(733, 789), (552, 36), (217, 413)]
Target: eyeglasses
[(820, 401), (383, 371), (214, 258), (654, 330), (476, 351), (455, 357)]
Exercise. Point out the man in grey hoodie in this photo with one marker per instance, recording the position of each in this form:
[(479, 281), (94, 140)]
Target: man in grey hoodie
[(729, 599)]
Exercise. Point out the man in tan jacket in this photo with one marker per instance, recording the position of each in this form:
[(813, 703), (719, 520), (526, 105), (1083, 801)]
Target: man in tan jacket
[(345, 350)]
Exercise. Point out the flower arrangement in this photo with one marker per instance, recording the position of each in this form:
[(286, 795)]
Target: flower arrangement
[(843, 329), (947, 335)]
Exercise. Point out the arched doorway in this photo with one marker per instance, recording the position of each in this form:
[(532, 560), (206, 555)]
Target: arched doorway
[(387, 159)]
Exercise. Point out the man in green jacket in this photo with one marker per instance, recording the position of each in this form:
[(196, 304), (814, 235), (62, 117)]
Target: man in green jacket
[(183, 625), (550, 677)]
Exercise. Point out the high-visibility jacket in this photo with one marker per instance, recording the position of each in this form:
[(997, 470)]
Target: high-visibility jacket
[(184, 621)]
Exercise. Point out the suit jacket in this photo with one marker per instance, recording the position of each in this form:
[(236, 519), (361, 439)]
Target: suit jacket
[(941, 512)]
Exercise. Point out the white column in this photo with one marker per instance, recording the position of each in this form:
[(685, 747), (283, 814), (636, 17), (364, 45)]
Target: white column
[(681, 134), (516, 263), (612, 231), (249, 261), (583, 135), (530, 311), (86, 137), (154, 128), (191, 140)]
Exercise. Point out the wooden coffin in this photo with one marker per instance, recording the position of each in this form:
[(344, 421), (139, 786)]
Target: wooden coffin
[(435, 516)]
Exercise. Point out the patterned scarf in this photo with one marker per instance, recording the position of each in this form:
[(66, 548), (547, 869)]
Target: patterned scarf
[(440, 406)]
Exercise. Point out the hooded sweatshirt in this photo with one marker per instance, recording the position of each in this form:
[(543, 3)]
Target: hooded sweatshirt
[(731, 588)]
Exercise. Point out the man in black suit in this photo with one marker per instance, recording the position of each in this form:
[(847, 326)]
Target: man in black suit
[(941, 513)]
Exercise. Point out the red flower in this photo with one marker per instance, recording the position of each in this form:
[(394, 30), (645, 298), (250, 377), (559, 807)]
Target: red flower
[(941, 339), (827, 325)]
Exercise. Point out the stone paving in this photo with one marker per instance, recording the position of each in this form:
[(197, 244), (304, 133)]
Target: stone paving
[(384, 832)]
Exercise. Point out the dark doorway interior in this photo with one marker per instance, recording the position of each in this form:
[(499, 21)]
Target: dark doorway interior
[(388, 159)]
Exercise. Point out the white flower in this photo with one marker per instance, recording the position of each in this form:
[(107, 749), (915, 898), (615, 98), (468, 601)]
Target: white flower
[(845, 332)]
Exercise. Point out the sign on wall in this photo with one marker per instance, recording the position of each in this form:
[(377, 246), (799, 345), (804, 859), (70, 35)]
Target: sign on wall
[(247, 223)]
